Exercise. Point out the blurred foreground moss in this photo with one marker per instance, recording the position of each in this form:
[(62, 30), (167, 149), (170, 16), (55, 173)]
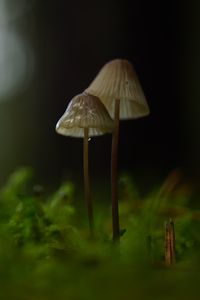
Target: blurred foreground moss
[(46, 253)]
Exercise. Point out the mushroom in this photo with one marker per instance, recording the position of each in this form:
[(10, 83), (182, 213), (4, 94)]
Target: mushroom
[(118, 87), (85, 116)]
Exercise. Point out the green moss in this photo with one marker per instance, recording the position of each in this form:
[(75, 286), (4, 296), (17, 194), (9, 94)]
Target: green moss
[(46, 252)]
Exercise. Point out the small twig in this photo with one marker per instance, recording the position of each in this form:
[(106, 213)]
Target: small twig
[(172, 238), (169, 243)]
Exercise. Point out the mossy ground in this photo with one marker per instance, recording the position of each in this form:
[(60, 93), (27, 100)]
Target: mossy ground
[(46, 251)]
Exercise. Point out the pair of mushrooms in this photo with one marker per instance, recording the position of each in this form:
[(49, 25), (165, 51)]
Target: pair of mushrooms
[(115, 94)]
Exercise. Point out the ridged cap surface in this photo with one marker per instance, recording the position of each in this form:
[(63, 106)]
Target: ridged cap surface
[(118, 80), (85, 111)]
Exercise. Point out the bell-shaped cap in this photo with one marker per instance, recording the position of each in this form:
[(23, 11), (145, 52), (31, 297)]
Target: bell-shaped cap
[(118, 80), (85, 111)]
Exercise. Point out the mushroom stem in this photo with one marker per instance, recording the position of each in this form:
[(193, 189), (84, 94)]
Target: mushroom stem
[(114, 174), (88, 199)]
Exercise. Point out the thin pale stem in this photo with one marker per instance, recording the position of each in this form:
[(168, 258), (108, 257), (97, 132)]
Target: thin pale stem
[(88, 199), (114, 174)]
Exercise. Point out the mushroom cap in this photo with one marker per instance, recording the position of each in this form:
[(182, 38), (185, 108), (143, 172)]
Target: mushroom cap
[(85, 111), (118, 80)]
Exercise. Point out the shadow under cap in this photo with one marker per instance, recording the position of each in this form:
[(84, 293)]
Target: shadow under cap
[(118, 80), (85, 111)]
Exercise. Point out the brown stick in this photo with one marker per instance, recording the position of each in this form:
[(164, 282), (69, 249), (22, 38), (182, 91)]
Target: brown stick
[(114, 174), (172, 238), (169, 243), (88, 199)]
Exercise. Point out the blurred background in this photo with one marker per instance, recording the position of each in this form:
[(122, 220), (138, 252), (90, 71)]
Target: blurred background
[(52, 50)]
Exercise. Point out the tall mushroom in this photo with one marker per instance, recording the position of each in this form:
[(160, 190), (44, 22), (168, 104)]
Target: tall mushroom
[(118, 87), (85, 116)]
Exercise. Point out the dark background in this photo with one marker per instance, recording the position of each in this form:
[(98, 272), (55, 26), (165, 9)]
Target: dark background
[(71, 41)]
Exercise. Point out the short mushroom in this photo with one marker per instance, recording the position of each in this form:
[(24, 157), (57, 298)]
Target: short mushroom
[(85, 116), (118, 87)]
